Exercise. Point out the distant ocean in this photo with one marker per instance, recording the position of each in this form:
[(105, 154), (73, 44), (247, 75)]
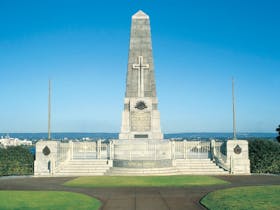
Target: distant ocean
[(94, 136)]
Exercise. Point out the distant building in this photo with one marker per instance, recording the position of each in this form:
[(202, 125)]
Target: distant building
[(7, 142)]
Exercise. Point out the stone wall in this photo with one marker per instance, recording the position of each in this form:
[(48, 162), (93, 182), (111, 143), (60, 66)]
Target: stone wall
[(238, 156), (46, 156)]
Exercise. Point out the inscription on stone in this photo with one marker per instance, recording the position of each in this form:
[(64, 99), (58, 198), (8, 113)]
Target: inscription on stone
[(140, 121), (141, 136)]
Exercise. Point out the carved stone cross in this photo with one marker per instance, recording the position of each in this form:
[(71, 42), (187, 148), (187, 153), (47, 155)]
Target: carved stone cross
[(140, 67)]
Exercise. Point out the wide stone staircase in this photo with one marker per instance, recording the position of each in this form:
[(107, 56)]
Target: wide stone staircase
[(120, 171), (101, 167), (181, 167), (198, 166), (83, 168)]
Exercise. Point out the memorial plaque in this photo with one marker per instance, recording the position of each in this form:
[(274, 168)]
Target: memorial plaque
[(46, 151), (140, 121), (237, 150)]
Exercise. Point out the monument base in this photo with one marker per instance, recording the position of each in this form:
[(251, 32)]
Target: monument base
[(142, 163), (141, 150)]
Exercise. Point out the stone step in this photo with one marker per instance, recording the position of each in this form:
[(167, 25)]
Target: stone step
[(166, 173), (85, 166), (140, 173), (197, 168), (198, 159), (81, 168), (142, 169), (78, 174), (160, 174), (87, 162), (82, 171), (203, 173), (193, 162), (200, 169)]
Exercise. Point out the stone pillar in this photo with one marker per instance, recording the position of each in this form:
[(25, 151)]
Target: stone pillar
[(155, 151), (98, 146), (45, 158), (185, 150), (111, 150), (238, 156), (173, 150), (71, 150), (212, 149)]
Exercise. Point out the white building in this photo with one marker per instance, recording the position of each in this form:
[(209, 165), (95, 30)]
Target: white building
[(7, 142)]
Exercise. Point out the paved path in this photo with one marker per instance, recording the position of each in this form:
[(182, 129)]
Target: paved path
[(150, 198)]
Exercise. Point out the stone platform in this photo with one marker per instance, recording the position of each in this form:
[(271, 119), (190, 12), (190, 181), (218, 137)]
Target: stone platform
[(141, 157)]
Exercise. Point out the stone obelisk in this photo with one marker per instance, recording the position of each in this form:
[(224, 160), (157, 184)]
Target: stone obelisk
[(140, 118)]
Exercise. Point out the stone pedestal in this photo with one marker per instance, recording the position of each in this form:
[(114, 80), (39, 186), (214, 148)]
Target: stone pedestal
[(46, 156), (238, 156), (140, 123)]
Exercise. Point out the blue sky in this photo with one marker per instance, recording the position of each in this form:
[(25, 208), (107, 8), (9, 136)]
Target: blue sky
[(83, 47)]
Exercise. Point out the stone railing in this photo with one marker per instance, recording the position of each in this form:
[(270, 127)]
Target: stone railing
[(141, 150), (88, 150), (219, 154), (63, 154), (191, 149), (132, 150)]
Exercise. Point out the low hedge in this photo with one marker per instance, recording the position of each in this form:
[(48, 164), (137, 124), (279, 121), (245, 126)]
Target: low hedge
[(264, 156), (16, 160)]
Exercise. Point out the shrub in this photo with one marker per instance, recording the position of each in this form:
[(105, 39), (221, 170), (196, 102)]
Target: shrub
[(16, 161), (264, 156)]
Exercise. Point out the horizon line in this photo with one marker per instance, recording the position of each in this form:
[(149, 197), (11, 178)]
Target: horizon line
[(164, 133)]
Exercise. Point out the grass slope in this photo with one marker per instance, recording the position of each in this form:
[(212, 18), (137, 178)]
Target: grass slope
[(257, 197), (46, 200), (144, 181)]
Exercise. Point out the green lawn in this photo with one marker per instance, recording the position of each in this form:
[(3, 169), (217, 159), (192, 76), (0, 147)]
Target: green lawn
[(44, 200), (144, 181), (260, 197)]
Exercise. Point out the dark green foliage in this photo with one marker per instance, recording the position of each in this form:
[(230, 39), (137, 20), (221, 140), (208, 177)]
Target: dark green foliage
[(264, 156), (16, 161), (278, 137)]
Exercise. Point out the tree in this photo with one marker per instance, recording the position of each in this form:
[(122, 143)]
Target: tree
[(16, 160), (278, 130)]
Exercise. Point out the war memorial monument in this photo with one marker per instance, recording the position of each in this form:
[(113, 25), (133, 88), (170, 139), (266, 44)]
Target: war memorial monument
[(141, 149)]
